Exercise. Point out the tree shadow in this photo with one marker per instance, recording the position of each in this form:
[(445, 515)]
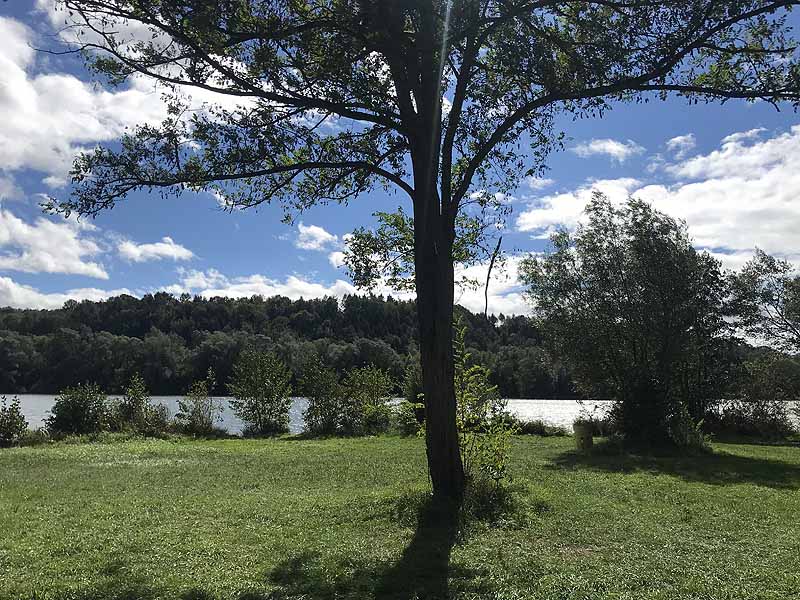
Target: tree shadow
[(422, 572), (716, 468)]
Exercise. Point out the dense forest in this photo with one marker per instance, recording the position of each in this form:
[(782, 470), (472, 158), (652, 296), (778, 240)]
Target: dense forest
[(173, 341)]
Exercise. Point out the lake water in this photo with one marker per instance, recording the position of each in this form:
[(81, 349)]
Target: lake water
[(36, 407)]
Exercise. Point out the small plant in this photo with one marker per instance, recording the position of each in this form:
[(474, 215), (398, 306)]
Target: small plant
[(199, 411), (79, 410), (12, 422), (321, 386), (261, 387), (484, 435), (406, 421), (135, 412), (367, 392)]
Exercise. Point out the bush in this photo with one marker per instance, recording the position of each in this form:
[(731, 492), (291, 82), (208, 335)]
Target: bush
[(366, 405), (12, 422), (535, 427), (262, 392), (764, 392), (199, 411), (79, 410), (405, 418), (483, 432), (135, 412), (321, 386)]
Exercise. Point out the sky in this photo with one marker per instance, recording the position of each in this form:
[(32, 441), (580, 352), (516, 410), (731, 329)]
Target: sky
[(731, 171)]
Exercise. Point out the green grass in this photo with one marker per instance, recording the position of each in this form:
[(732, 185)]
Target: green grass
[(254, 519)]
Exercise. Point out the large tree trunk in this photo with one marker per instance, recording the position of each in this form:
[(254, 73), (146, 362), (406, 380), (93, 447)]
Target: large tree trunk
[(434, 282)]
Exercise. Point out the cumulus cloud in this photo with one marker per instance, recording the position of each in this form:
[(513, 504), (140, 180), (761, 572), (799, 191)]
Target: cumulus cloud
[(505, 288), (741, 195), (565, 209), (49, 117), (17, 295), (616, 150), (314, 237), (9, 190), (166, 248), (336, 259), (681, 145), (45, 246), (539, 183), (212, 283)]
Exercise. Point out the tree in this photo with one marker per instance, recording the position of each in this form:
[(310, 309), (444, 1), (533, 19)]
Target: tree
[(324, 100), (766, 294), (367, 392), (636, 312), (262, 390)]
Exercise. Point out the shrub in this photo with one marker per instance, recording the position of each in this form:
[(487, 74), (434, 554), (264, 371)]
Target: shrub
[(761, 408), (199, 411), (405, 417), (321, 386), (261, 387), (412, 381), (12, 422), (483, 432), (135, 412), (366, 406), (79, 410), (534, 427)]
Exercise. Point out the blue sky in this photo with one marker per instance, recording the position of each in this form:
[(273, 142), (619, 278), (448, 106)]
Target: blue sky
[(732, 172)]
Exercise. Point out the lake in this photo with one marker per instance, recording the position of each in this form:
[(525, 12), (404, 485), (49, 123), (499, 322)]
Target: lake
[(35, 407)]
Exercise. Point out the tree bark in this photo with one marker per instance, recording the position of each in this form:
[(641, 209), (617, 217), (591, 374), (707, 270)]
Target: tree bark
[(434, 283)]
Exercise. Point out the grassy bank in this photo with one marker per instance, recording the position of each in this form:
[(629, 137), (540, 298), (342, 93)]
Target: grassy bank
[(256, 519)]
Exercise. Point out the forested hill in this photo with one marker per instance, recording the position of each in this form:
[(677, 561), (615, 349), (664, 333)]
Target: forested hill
[(173, 341)]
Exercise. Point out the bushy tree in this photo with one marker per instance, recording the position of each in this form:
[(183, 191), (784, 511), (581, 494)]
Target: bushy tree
[(321, 386), (332, 99), (199, 410), (79, 410), (135, 411), (262, 391), (12, 422), (767, 389), (636, 312), (367, 391)]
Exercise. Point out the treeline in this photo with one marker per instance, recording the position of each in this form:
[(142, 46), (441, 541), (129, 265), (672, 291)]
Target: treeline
[(172, 342)]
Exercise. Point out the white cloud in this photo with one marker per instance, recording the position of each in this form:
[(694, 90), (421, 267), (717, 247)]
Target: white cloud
[(46, 246), (166, 248), (539, 183), (212, 283), (336, 259), (314, 237), (505, 289), (618, 151), (565, 209), (49, 117), (9, 190), (17, 295), (681, 145), (742, 195)]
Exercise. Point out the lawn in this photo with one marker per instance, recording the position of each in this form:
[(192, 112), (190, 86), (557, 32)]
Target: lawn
[(254, 519)]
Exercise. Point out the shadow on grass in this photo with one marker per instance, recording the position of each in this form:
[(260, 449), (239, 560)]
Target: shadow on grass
[(716, 468), (422, 571)]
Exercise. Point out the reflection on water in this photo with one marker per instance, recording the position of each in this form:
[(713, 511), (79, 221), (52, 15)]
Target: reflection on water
[(35, 407)]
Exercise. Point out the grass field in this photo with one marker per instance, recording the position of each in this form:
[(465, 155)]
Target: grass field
[(253, 519)]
